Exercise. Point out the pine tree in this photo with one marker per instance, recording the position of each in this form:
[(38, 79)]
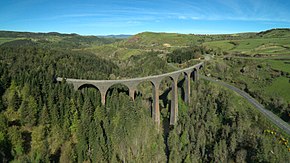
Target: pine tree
[(39, 145), (12, 97), (28, 112), (44, 116), (16, 140)]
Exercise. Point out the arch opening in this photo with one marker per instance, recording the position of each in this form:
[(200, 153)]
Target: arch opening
[(117, 89), (200, 67), (182, 86), (169, 87), (144, 90), (83, 86), (92, 92), (194, 74), (165, 88), (150, 97)]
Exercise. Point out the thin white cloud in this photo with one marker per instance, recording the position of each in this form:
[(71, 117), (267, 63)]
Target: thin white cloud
[(182, 17), (245, 10)]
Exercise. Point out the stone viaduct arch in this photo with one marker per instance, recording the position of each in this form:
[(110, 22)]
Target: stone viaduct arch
[(104, 85)]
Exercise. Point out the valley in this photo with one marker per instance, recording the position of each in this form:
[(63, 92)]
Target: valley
[(46, 121)]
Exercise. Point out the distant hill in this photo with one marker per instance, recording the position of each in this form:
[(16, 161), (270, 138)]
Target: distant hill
[(278, 32), (13, 34), (161, 40), (55, 39), (122, 36), (165, 40)]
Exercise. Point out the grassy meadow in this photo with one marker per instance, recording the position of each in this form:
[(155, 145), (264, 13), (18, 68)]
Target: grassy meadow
[(267, 46)]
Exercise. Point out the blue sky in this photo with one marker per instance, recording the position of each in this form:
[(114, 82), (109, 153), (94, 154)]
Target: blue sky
[(103, 17)]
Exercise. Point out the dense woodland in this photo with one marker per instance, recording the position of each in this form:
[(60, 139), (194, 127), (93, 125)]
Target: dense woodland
[(42, 120)]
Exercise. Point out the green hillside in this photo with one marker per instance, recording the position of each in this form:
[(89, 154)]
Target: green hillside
[(274, 33), (54, 39), (265, 79), (149, 40), (272, 42)]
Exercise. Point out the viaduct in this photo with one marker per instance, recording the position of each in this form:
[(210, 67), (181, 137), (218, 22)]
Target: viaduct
[(104, 85)]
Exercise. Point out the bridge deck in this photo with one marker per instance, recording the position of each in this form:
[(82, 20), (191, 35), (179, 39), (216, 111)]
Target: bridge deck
[(147, 78)]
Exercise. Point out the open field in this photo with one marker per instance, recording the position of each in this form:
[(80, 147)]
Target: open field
[(3, 40), (273, 46), (281, 65), (279, 87)]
